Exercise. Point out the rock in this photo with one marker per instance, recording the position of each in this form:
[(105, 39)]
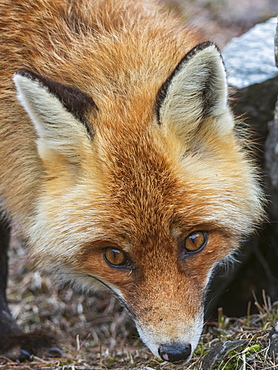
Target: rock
[(249, 59), (276, 45), (219, 352), (250, 62), (271, 163), (273, 339)]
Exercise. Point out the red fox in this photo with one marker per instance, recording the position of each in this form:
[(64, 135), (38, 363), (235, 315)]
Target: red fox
[(119, 160)]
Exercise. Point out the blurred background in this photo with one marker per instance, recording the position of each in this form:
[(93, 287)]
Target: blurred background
[(221, 20)]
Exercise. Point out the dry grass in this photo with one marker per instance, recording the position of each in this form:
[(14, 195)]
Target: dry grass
[(95, 332)]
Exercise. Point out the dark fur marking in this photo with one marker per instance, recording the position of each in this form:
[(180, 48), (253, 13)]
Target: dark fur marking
[(73, 99), (162, 92)]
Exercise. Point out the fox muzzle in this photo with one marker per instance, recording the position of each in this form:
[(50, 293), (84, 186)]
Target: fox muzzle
[(175, 352)]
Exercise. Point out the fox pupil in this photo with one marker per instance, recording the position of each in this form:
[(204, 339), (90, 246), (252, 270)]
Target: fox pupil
[(114, 256), (196, 241)]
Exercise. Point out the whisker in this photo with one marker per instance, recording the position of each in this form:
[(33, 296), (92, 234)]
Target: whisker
[(115, 293)]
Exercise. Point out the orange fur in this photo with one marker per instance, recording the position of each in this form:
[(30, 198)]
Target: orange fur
[(138, 185)]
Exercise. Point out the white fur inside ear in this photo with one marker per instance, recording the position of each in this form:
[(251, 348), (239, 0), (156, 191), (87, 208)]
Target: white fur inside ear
[(57, 128), (197, 90)]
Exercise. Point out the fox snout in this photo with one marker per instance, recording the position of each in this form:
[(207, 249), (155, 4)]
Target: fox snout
[(175, 352), (173, 339), (167, 308), (171, 350)]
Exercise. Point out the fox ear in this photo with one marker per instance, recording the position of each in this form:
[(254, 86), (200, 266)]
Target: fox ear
[(197, 89), (58, 113)]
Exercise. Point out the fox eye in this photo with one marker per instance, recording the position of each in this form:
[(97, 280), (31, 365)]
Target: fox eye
[(115, 257), (195, 241)]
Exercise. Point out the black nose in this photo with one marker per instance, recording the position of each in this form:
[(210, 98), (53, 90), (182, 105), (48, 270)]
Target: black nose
[(175, 352)]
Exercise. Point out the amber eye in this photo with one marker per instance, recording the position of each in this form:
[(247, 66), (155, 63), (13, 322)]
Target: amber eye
[(115, 257), (196, 241)]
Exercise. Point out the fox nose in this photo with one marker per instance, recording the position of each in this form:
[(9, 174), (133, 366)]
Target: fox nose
[(175, 352)]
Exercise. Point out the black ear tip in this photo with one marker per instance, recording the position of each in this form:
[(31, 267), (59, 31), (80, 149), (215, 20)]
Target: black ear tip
[(22, 72), (72, 98), (27, 73), (200, 47)]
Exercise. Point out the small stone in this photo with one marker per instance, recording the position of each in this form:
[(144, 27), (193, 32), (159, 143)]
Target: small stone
[(219, 351), (273, 338)]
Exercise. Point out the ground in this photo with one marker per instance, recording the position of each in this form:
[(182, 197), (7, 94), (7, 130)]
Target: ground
[(95, 332)]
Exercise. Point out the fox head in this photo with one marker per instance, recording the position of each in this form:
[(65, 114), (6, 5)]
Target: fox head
[(142, 196)]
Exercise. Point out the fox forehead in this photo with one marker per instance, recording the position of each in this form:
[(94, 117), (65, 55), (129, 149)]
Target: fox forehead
[(151, 187)]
